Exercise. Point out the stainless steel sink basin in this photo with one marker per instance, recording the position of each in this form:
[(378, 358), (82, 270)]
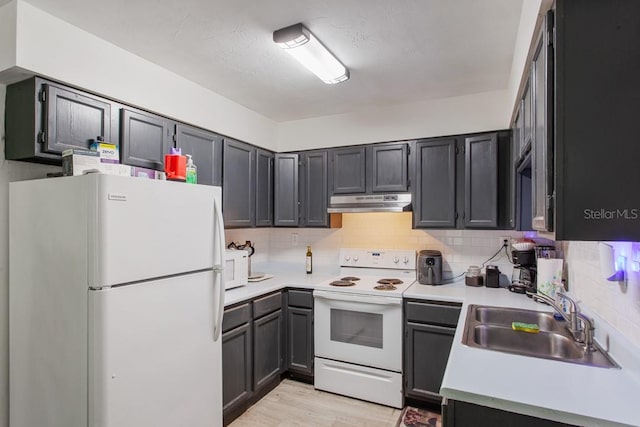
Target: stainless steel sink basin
[(505, 316), (490, 328)]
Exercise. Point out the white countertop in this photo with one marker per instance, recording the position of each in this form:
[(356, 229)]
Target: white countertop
[(554, 390), (549, 389)]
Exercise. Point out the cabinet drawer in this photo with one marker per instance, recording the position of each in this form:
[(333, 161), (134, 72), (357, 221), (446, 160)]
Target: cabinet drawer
[(266, 305), (299, 298), (433, 313), (236, 316)]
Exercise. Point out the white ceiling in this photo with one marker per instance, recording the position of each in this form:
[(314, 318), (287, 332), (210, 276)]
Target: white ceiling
[(397, 51)]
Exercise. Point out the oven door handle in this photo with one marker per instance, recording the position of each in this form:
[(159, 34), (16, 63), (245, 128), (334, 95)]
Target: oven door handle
[(361, 298)]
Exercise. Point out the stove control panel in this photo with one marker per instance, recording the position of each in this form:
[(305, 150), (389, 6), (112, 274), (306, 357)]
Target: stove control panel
[(374, 258)]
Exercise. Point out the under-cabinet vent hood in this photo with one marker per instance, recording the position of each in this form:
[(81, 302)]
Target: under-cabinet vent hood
[(370, 203)]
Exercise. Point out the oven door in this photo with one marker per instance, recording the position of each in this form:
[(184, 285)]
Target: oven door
[(362, 329)]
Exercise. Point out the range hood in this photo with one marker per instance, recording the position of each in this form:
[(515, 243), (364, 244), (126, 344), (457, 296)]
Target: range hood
[(370, 203)]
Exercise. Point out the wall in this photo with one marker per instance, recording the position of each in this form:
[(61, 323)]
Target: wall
[(53, 48), (617, 303), (438, 117), (9, 171), (7, 35)]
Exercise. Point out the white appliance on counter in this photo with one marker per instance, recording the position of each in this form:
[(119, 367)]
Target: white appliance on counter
[(358, 325), (116, 302), (236, 270)]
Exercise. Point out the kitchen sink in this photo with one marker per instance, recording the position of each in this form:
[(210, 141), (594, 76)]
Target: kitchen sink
[(490, 328)]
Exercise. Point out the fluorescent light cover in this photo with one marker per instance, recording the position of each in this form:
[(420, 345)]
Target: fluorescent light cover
[(311, 53)]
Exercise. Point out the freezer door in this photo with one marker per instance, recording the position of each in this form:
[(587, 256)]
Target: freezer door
[(153, 360), (145, 229)]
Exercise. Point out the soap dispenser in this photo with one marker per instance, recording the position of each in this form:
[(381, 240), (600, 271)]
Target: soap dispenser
[(192, 173)]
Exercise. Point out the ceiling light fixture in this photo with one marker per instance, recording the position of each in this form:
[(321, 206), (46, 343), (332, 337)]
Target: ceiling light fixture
[(300, 43)]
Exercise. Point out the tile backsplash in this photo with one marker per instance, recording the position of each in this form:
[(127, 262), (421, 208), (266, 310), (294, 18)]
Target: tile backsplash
[(460, 248), (616, 302)]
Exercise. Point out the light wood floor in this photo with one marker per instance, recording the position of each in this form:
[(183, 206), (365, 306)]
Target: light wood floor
[(293, 403)]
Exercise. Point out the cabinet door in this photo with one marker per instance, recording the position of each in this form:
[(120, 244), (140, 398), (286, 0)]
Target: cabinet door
[(144, 139), (286, 206), (268, 360), (542, 151), (348, 170), (435, 184), (236, 367), (300, 340), (427, 353), (264, 188), (238, 184), (314, 194), (526, 109), (205, 148), (73, 119), (481, 181), (389, 168)]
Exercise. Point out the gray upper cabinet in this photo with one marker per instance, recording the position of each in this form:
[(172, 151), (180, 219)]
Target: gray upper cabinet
[(264, 188), (44, 118), (314, 193), (286, 205), (526, 109), (348, 169), (145, 138), (238, 184), (481, 182), (389, 168), (435, 184), (542, 151), (206, 149)]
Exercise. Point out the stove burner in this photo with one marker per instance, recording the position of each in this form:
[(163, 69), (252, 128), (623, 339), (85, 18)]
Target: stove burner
[(390, 281), (385, 287), (342, 283), (350, 278)]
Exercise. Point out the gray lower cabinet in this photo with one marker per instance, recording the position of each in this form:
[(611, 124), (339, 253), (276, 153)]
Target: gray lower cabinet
[(206, 149), (44, 118), (429, 331), (264, 188), (253, 337), (300, 332), (268, 357), (348, 170), (238, 184), (145, 138), (286, 207), (463, 414), (237, 382)]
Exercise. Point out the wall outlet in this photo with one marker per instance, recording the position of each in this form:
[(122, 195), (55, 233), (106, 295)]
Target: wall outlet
[(294, 239), (505, 240)]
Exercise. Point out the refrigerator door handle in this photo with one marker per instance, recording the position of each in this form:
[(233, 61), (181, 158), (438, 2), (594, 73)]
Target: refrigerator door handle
[(218, 269)]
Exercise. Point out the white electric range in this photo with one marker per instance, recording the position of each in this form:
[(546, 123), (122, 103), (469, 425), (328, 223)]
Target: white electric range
[(358, 325)]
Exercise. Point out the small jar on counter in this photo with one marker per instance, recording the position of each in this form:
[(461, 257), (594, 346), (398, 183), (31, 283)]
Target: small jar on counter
[(474, 276)]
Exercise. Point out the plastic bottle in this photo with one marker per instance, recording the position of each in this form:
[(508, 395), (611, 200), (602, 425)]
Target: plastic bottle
[(192, 172), (560, 302), (309, 260)]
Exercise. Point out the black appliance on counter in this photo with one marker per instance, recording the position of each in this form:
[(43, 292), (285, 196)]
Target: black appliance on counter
[(430, 267), (523, 278)]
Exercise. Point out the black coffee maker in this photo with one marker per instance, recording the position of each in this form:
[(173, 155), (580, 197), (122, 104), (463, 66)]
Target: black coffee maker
[(523, 278)]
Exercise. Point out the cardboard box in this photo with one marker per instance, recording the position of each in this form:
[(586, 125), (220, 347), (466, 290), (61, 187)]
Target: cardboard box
[(79, 162), (144, 173), (109, 153)]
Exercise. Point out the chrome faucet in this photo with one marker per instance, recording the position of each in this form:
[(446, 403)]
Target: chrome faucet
[(580, 326)]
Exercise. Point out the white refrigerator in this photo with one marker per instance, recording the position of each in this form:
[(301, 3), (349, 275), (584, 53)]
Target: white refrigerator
[(116, 299)]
